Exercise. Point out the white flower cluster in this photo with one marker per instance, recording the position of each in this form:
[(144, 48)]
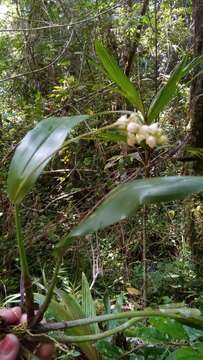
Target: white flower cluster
[(137, 131)]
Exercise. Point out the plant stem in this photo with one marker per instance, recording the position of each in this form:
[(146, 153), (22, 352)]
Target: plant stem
[(187, 319), (144, 255), (94, 337), (39, 316), (29, 298), (144, 233), (88, 134)]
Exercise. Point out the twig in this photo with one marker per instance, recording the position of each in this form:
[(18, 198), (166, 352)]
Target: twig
[(51, 26), (137, 38)]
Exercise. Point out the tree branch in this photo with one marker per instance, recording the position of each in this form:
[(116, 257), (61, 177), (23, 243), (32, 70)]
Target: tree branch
[(54, 26), (137, 38)]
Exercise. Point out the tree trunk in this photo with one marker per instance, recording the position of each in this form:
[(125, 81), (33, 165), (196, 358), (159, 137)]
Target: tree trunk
[(196, 206)]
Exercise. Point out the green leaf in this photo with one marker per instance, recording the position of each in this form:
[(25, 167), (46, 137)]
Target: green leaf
[(193, 334), (195, 62), (69, 309), (169, 327), (196, 151), (88, 304), (34, 152), (188, 353), (166, 93), (113, 136), (107, 310), (108, 350), (150, 335), (125, 199), (118, 76)]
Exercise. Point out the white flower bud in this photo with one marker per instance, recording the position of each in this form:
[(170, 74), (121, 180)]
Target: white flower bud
[(131, 139), (133, 117), (136, 117), (139, 138), (122, 122), (140, 117), (151, 141), (133, 127), (162, 140), (144, 130), (159, 133), (154, 128)]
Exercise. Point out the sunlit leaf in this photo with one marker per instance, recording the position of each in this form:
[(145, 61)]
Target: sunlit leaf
[(133, 291), (117, 75), (34, 152)]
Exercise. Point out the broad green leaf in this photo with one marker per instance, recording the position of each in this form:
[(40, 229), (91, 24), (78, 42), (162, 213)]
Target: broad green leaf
[(126, 198), (88, 304), (74, 310), (34, 152), (69, 309), (169, 327), (188, 353), (117, 75), (166, 93)]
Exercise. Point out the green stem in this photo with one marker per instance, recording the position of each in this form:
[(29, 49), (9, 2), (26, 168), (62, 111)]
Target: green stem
[(88, 134), (189, 319), (39, 316), (144, 256), (94, 337), (29, 298)]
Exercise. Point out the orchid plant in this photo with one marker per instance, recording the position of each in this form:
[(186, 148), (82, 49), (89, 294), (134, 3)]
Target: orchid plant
[(79, 324)]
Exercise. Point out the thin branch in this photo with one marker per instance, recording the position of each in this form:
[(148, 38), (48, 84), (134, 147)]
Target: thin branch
[(137, 38), (51, 26)]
